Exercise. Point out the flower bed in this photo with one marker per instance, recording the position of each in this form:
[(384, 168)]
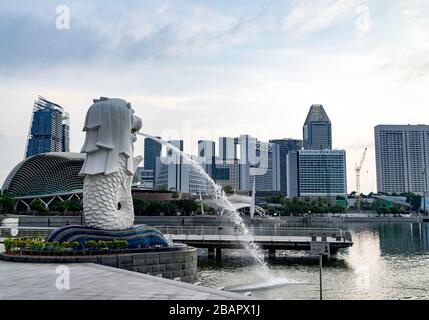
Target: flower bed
[(39, 247)]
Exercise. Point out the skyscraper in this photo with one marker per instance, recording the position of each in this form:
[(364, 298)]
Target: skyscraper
[(317, 173), (227, 148), (266, 172), (66, 132), (252, 160), (152, 150), (317, 129), (402, 158), (286, 145), (180, 177), (178, 144), (206, 149), (49, 129)]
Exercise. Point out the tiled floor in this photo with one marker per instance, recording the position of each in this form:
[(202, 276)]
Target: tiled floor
[(22, 281)]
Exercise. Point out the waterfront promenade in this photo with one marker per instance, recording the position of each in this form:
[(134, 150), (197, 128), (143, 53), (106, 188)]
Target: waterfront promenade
[(27, 281), (58, 221)]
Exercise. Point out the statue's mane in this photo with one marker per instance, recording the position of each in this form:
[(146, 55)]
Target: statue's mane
[(108, 126)]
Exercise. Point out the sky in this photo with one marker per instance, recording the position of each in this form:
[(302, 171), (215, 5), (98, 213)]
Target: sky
[(209, 68)]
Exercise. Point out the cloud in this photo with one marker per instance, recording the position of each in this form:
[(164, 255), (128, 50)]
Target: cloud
[(123, 33), (309, 16), (229, 67)]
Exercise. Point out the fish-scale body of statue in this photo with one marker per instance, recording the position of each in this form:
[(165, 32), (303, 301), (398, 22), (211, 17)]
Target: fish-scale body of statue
[(111, 128)]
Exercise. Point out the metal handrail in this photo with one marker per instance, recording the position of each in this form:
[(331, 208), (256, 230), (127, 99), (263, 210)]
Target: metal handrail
[(326, 232)]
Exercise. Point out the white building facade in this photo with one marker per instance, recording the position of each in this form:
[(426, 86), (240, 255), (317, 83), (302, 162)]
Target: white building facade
[(402, 158)]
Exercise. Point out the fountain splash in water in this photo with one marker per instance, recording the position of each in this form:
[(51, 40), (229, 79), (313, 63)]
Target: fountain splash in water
[(220, 195)]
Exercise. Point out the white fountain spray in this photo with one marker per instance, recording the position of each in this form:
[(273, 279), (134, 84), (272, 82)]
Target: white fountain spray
[(220, 195)]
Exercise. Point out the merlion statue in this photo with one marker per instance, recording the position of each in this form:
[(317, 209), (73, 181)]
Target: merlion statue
[(111, 130)]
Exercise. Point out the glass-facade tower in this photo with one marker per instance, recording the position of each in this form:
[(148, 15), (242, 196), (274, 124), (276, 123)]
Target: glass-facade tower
[(152, 150), (286, 145), (49, 129)]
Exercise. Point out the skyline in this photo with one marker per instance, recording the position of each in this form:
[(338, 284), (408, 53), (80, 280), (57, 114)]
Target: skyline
[(210, 64)]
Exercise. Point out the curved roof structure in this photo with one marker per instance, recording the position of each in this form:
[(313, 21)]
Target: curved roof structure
[(46, 175), (238, 202)]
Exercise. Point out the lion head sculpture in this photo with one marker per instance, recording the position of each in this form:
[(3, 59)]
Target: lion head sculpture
[(111, 128)]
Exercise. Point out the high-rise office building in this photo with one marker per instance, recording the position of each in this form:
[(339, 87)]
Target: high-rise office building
[(206, 149), (266, 172), (152, 150), (66, 132), (245, 159), (49, 129), (285, 145), (227, 148), (317, 173), (226, 173), (178, 144), (402, 158), (180, 177), (317, 130)]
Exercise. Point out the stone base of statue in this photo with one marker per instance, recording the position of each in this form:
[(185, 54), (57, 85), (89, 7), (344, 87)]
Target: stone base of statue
[(139, 237)]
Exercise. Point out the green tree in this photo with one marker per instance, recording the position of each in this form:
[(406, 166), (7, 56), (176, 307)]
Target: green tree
[(188, 206), (76, 205), (61, 206), (228, 190), (7, 203), (38, 207), (414, 200), (338, 209), (277, 199)]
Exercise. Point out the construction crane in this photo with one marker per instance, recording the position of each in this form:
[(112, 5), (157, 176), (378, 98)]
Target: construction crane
[(358, 170)]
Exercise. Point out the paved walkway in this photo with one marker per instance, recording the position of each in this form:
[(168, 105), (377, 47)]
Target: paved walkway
[(26, 281)]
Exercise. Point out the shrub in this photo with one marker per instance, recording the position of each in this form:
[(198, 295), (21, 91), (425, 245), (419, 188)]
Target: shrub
[(102, 245), (123, 244), (74, 245), (8, 244), (39, 245)]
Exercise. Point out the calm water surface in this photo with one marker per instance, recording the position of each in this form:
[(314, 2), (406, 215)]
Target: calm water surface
[(387, 261)]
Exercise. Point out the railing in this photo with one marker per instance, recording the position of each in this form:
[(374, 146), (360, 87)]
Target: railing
[(16, 232), (211, 233), (258, 234), (237, 238), (257, 231)]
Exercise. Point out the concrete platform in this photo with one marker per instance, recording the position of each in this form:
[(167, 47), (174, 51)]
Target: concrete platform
[(27, 281)]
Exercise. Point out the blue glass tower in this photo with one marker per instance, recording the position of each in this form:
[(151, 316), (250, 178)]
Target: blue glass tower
[(152, 150), (49, 129)]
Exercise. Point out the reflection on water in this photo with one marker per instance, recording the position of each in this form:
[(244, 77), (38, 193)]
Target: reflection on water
[(387, 261)]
